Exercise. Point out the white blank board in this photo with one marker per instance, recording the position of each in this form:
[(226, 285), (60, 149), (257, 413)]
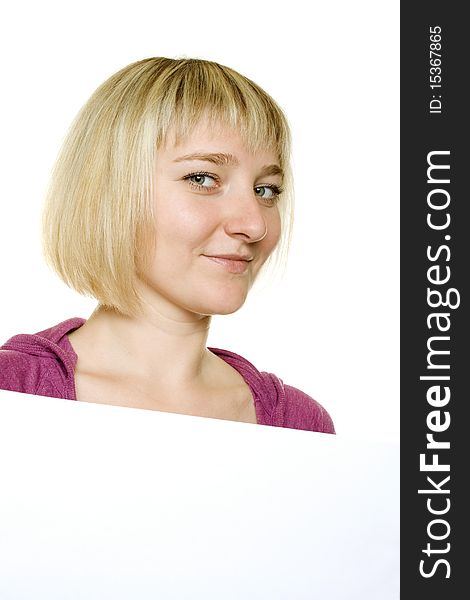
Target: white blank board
[(102, 502)]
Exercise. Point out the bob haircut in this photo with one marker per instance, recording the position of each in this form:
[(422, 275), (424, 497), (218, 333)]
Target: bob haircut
[(98, 227)]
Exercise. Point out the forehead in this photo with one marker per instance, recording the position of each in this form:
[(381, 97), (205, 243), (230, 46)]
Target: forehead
[(221, 141)]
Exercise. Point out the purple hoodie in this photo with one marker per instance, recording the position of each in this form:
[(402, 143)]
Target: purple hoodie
[(43, 364)]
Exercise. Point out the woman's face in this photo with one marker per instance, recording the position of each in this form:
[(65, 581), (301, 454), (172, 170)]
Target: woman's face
[(216, 220)]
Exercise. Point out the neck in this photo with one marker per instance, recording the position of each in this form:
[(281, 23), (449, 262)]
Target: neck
[(164, 343)]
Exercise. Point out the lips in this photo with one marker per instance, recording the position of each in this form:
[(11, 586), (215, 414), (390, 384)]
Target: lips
[(233, 263)]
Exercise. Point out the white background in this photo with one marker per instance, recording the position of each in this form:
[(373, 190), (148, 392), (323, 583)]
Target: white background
[(330, 327)]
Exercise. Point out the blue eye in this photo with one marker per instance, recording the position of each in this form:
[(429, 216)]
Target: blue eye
[(196, 181), (273, 189), (198, 178), (274, 193)]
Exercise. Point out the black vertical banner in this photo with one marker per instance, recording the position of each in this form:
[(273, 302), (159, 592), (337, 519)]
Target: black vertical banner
[(435, 252)]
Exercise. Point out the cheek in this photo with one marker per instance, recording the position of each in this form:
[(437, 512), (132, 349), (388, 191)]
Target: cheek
[(186, 223), (273, 236)]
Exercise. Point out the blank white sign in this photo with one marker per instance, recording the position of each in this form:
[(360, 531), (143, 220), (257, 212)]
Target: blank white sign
[(102, 502)]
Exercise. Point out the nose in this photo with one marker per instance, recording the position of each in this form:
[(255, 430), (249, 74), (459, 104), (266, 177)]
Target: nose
[(246, 218)]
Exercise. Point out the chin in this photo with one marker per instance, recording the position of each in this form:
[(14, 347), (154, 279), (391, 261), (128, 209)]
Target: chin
[(223, 304), (227, 310)]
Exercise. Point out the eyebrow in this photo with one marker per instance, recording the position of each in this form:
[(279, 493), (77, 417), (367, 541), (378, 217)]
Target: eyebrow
[(221, 159)]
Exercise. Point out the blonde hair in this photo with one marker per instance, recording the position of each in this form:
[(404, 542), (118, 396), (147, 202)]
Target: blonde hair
[(97, 219)]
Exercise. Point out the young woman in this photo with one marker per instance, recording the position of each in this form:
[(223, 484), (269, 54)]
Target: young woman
[(171, 192)]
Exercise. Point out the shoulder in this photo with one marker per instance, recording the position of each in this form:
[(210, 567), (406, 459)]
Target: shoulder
[(21, 372), (303, 412), (39, 363), (277, 403)]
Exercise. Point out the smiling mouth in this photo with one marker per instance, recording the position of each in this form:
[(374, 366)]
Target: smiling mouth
[(232, 265)]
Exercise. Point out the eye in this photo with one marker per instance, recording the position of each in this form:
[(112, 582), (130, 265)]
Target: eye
[(274, 192), (199, 181)]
